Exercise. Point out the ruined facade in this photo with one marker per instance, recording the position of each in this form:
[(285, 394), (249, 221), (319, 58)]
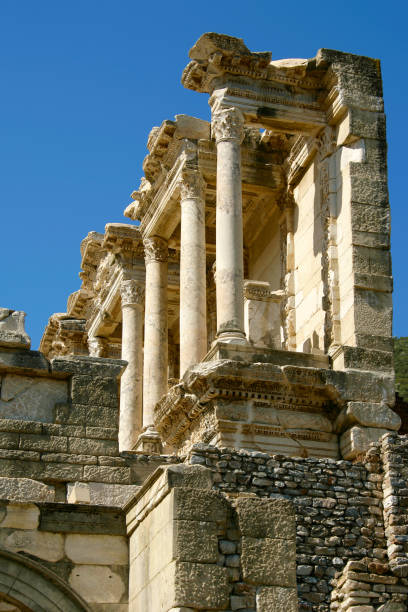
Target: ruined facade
[(209, 425)]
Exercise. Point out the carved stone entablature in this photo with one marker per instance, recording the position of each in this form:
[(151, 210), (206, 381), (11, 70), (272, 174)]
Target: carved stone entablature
[(192, 184), (293, 403), (64, 335), (124, 240), (227, 124), (156, 249), (213, 54), (132, 292)]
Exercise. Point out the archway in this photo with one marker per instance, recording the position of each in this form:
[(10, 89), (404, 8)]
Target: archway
[(29, 587)]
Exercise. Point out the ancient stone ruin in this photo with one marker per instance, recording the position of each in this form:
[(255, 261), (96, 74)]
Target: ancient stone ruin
[(209, 426)]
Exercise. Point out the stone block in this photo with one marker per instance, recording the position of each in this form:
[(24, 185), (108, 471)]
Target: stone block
[(12, 332), (102, 433), (115, 475), (92, 446), (195, 541), (30, 398), (88, 366), (78, 493), (78, 414), (96, 549), (88, 519), (24, 362), (97, 583), (21, 516), (61, 471), (9, 440), (191, 476), (266, 518), (47, 546), (358, 439), (25, 489), (368, 415), (199, 505), (94, 390), (104, 494), (43, 442), (368, 184), (361, 124), (267, 561), (276, 599), (201, 585)]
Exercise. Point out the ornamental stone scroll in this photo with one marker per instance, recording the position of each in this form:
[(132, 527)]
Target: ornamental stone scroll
[(228, 124)]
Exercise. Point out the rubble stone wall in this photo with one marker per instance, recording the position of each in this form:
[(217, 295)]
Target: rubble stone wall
[(339, 515)]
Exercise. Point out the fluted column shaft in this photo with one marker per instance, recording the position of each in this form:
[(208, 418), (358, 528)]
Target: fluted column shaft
[(228, 129), (156, 327), (130, 417), (193, 323)]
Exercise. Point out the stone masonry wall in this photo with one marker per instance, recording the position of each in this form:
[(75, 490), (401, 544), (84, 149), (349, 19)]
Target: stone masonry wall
[(339, 513), (59, 431)]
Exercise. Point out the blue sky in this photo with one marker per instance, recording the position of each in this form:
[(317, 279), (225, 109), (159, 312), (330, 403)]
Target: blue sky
[(84, 81)]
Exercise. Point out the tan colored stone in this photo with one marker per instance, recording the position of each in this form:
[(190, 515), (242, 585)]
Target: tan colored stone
[(96, 549), (358, 439), (41, 544), (97, 584), (78, 493), (276, 599), (25, 489), (21, 516), (267, 561), (266, 518)]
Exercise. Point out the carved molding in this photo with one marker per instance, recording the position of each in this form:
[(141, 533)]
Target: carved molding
[(228, 124), (132, 292), (192, 184), (155, 249)]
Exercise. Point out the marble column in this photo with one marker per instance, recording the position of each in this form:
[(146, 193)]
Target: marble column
[(193, 325), (228, 128), (155, 340), (130, 416)]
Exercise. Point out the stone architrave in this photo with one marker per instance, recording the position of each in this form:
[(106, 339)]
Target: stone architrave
[(228, 128), (193, 323), (131, 384), (156, 337)]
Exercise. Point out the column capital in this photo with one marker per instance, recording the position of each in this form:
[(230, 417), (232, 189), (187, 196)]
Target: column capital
[(192, 184), (156, 249), (228, 124), (132, 292)]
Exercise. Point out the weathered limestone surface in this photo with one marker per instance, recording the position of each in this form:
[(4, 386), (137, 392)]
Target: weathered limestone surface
[(12, 332)]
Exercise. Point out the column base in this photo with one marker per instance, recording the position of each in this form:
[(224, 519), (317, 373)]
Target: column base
[(231, 338), (149, 443)]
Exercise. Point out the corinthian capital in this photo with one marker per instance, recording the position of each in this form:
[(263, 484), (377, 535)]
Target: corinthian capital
[(155, 249), (131, 292), (192, 184), (228, 124)]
